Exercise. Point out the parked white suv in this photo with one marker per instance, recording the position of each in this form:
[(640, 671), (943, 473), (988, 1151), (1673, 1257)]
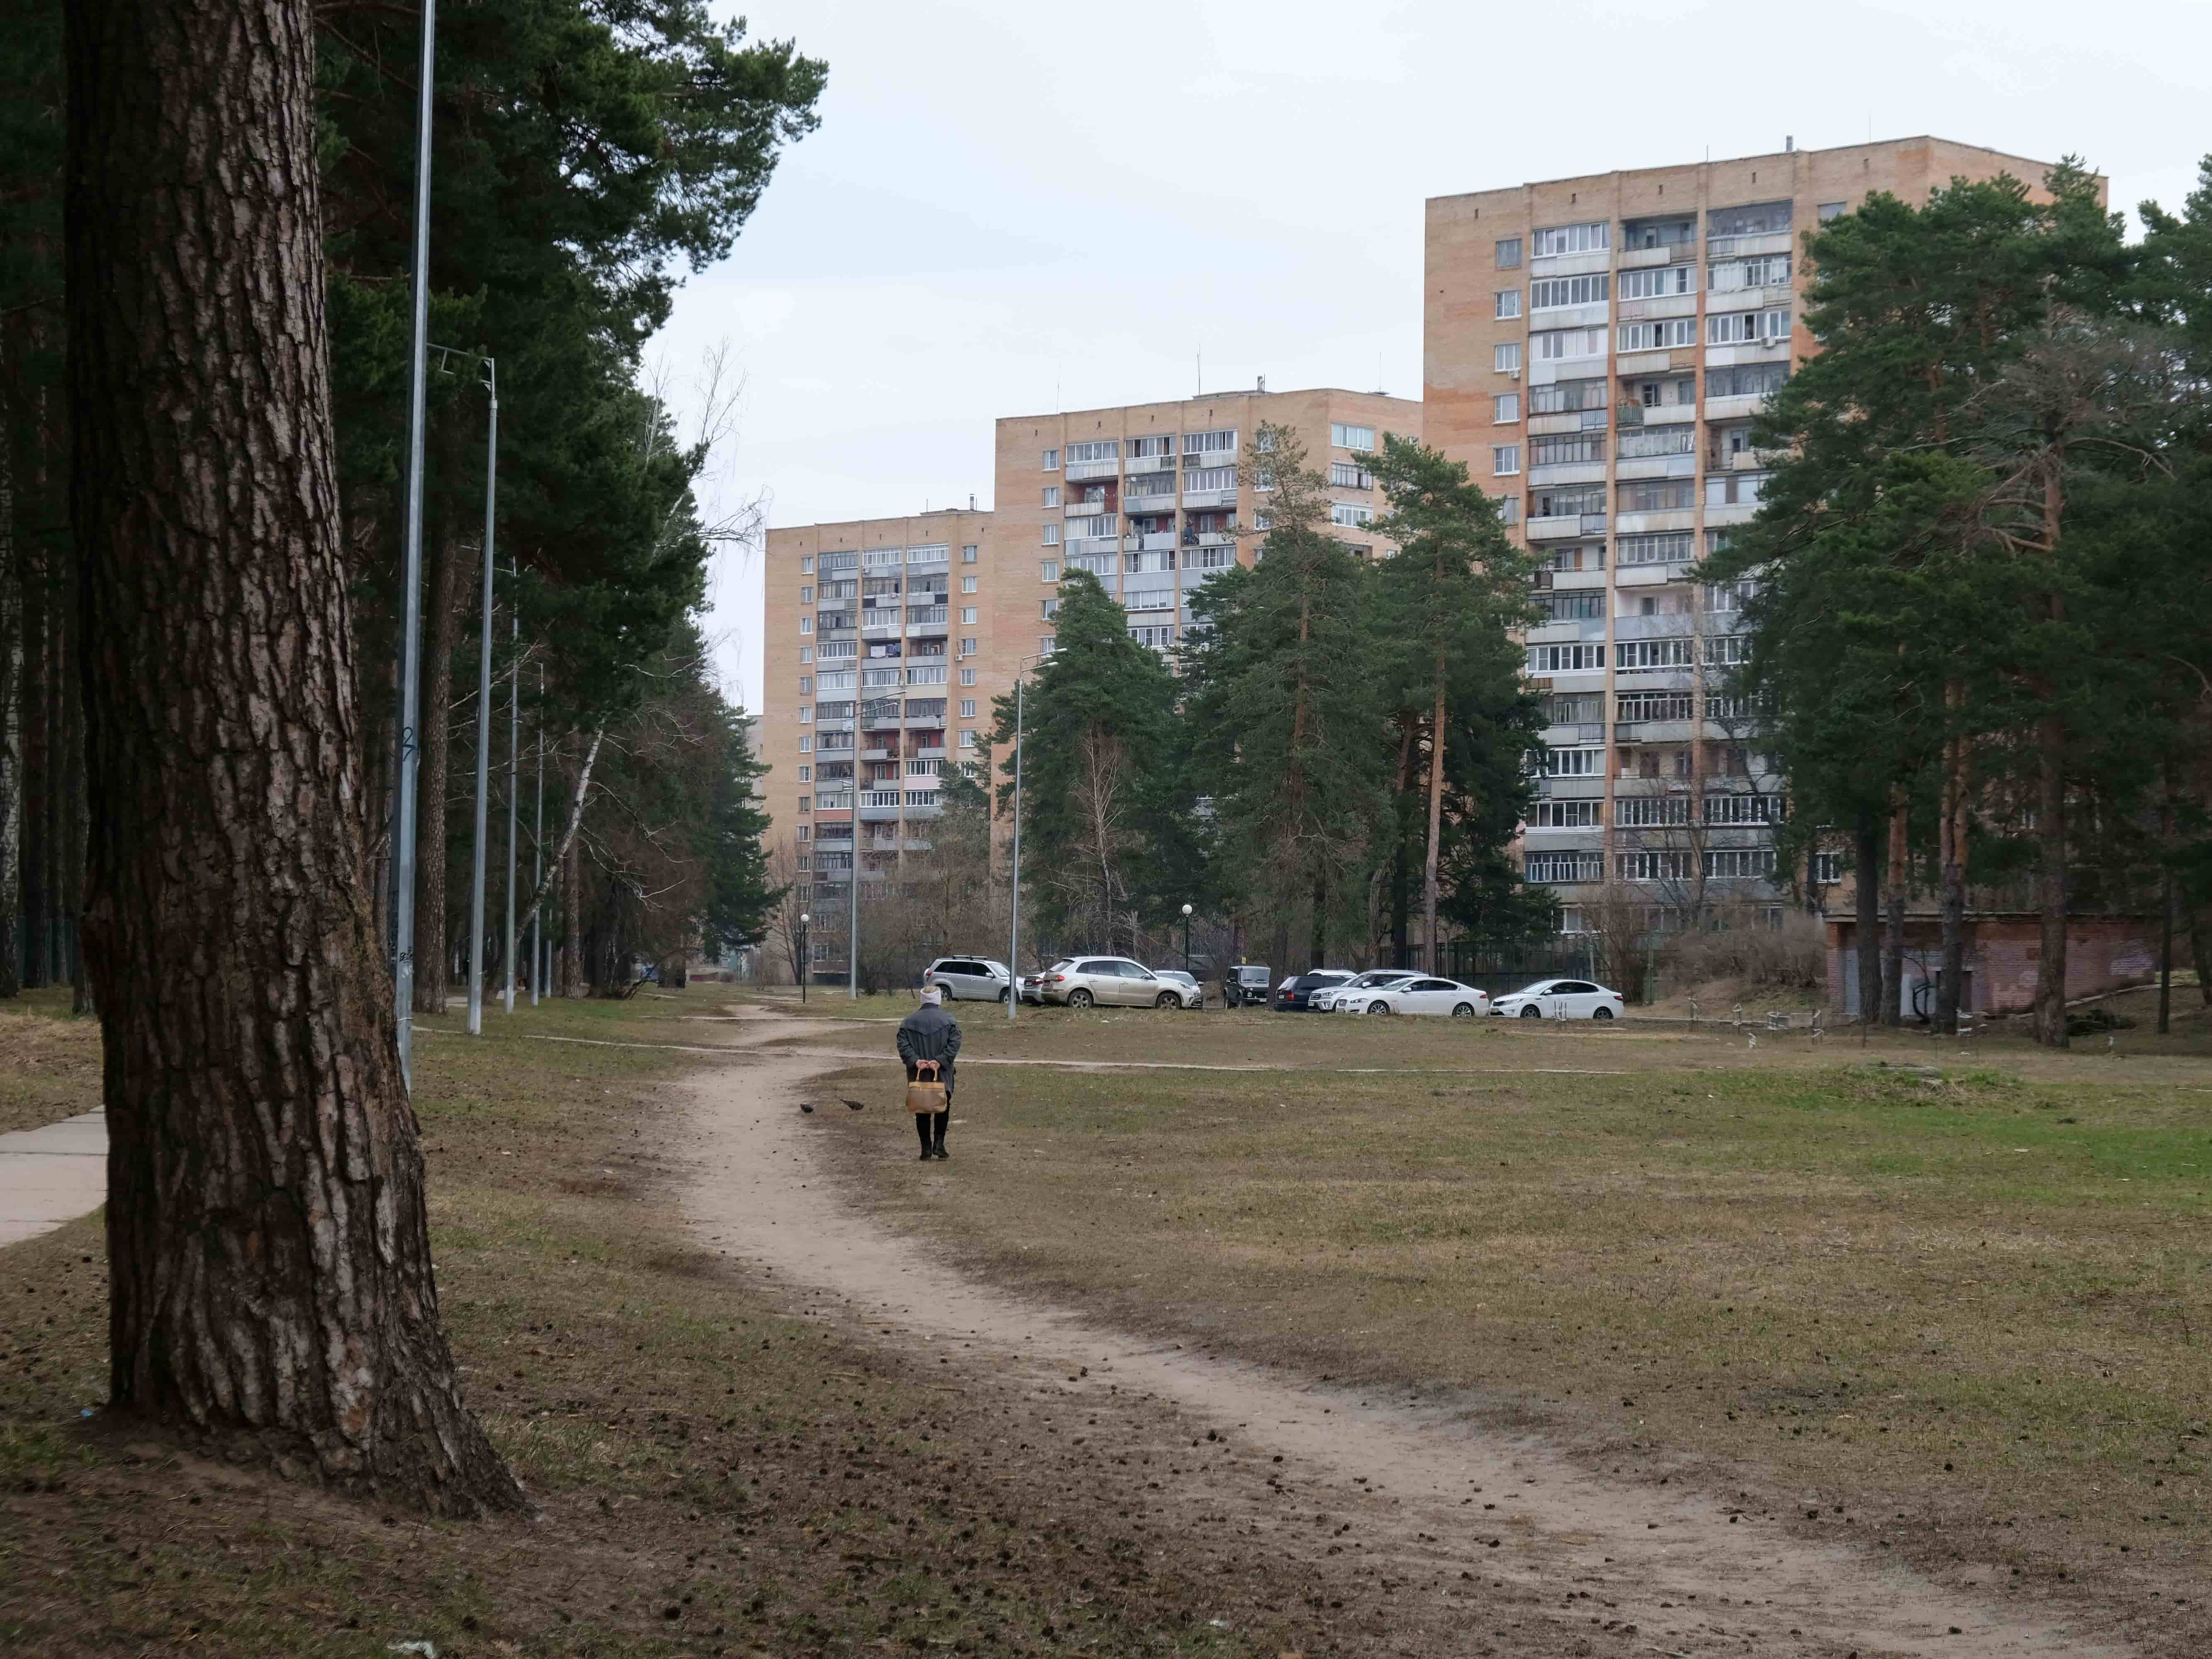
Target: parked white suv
[(968, 979), (1116, 981)]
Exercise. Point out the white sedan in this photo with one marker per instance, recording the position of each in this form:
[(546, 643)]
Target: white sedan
[(1339, 999), (1420, 996), (1560, 998)]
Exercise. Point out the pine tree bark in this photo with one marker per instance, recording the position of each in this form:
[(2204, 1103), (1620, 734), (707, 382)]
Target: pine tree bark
[(432, 938), (2050, 884), (1892, 942), (1868, 884), (11, 733), (271, 1289), (1952, 835), (37, 696)]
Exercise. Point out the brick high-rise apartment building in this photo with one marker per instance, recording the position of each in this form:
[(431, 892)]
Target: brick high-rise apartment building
[(887, 639), (1596, 348)]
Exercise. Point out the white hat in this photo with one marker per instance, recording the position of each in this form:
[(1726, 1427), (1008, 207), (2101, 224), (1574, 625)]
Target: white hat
[(933, 996)]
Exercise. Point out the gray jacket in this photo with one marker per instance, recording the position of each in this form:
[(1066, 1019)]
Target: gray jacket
[(929, 1033)]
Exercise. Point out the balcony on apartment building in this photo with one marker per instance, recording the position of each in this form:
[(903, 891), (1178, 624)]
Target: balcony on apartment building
[(1151, 541), (1150, 492), (1076, 471), (924, 618), (1558, 527)]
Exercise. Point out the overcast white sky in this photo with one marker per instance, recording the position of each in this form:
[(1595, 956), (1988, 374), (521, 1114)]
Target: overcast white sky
[(1016, 205)]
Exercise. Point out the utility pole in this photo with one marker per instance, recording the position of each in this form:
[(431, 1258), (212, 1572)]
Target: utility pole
[(514, 753), (537, 854), (483, 713), (853, 899), (410, 579)]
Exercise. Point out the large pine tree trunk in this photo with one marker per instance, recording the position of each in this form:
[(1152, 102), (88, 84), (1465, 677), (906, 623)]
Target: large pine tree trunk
[(2052, 883), (1892, 942), (432, 946), (1951, 834), (1868, 883), (1435, 820), (38, 772), (11, 736), (271, 1291)]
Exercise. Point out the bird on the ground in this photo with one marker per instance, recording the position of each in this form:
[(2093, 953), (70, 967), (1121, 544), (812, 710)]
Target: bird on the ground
[(804, 1107), (858, 1105)]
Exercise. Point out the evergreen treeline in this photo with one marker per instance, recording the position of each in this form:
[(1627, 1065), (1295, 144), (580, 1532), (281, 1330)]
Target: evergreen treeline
[(1281, 773), (585, 153), (1982, 619)]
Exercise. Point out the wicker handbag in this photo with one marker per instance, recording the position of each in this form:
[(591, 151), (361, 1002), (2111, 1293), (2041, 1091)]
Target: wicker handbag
[(925, 1096)]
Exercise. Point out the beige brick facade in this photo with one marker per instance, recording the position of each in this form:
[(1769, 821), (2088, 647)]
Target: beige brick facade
[(1596, 348)]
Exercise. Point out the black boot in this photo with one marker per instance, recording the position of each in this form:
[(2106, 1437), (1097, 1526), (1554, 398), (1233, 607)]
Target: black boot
[(937, 1149)]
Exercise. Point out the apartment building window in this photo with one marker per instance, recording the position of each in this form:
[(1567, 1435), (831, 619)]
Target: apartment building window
[(806, 775), (1048, 570), (1049, 608), (967, 648), (1567, 449), (1565, 659), (1159, 637), (1653, 706), (939, 554), (806, 654), (1569, 499), (1650, 811), (806, 683), (1208, 558), (1046, 642), (1656, 441), (966, 709), (1586, 762), (1645, 656), (1220, 443), (1739, 863), (1759, 219), (1567, 815), (1652, 866), (1508, 252), (1656, 281), (883, 558), (805, 833), (1828, 867), (830, 649), (849, 559), (1671, 548), (1661, 336), (1577, 707), (1052, 494), (1772, 271), (1728, 596), (1555, 291), (1553, 343), (807, 624), (925, 677), (806, 568), (1746, 379), (1742, 327), (1213, 477), (1590, 238), (806, 803), (1728, 650), (1052, 461), (1097, 449), (1827, 212), (1563, 867), (1052, 535), (1351, 513), (805, 714), (969, 553), (968, 614), (1572, 607), (1566, 397), (1350, 475), (967, 676), (1735, 488), (1505, 357), (1658, 494), (1505, 459), (1506, 303), (1504, 408), (1721, 807), (806, 594), (806, 743), (1344, 436)]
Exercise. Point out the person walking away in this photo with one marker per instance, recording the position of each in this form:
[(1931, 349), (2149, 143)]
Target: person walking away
[(929, 1034)]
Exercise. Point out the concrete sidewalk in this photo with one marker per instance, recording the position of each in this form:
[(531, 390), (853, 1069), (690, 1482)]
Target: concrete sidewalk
[(52, 1175)]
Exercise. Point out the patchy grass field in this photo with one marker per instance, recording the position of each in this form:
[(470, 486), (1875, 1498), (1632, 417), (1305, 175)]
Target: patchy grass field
[(49, 1062), (1929, 1292), (716, 1475)]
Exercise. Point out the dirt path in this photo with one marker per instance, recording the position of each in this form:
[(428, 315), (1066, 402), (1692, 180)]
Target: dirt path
[(1436, 1497)]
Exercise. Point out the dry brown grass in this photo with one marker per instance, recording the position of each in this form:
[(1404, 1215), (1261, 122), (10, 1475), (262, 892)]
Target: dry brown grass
[(49, 1060), (1974, 1307)]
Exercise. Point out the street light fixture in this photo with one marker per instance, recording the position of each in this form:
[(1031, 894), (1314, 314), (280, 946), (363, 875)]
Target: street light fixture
[(1186, 938), (805, 921)]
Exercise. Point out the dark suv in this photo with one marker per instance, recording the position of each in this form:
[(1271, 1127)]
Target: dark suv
[(1297, 997)]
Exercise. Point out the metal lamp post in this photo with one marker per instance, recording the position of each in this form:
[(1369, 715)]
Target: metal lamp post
[(407, 751), (1014, 931), (513, 757), (1186, 938), (484, 714), (804, 961)]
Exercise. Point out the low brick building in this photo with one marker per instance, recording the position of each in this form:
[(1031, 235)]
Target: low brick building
[(2002, 948)]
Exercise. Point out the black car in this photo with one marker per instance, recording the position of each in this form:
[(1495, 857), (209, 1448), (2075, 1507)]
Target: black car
[(1297, 997)]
